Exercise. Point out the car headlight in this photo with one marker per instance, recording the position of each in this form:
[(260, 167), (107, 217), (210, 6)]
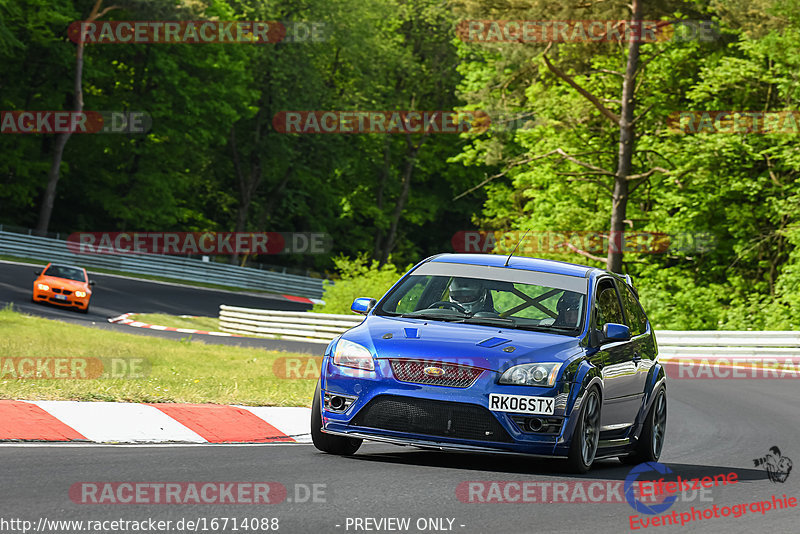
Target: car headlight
[(349, 354), (531, 374), (43, 287), (80, 293)]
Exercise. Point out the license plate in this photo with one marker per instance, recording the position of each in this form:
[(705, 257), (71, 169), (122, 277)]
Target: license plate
[(522, 404), (61, 297)]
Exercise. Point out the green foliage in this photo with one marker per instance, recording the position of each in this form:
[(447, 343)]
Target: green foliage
[(359, 277), (213, 160), (741, 191)]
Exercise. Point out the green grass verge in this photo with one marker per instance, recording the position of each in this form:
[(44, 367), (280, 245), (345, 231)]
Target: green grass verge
[(176, 371), (210, 324), (147, 277)]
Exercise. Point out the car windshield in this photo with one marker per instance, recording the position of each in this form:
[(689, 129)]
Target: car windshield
[(70, 273), (507, 298)]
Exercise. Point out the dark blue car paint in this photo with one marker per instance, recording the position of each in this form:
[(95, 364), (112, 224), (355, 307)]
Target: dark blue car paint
[(467, 343)]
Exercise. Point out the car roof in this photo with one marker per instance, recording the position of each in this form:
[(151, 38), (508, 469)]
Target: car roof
[(519, 262)]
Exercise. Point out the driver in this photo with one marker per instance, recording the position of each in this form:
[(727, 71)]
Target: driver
[(470, 294), (568, 308)]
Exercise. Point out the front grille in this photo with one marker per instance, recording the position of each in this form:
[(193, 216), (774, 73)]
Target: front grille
[(432, 418), (56, 290), (453, 375), (67, 292)]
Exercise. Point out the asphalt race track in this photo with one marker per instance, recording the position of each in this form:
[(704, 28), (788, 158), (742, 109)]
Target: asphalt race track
[(115, 295), (714, 427)]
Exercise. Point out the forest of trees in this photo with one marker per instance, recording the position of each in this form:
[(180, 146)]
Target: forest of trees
[(581, 138)]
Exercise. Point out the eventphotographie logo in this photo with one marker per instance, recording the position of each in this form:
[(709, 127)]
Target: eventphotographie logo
[(777, 466)]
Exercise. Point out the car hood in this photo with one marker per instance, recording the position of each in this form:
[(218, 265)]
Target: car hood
[(487, 347), (62, 283)]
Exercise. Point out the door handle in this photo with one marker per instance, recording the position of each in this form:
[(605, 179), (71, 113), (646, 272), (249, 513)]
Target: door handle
[(636, 358)]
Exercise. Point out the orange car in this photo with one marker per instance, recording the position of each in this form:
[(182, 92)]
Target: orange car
[(63, 285)]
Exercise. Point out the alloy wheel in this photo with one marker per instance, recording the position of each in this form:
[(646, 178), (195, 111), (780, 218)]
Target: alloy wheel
[(659, 424), (591, 428)]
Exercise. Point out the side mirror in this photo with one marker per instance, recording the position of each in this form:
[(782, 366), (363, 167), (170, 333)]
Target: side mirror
[(38, 273), (362, 305), (91, 282), (616, 332)]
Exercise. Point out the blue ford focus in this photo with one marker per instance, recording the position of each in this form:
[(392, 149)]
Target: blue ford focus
[(478, 352)]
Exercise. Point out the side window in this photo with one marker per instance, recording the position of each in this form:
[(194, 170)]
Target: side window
[(637, 320), (607, 308)]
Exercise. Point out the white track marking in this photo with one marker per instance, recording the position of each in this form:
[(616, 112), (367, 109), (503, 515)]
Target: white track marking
[(294, 422), (119, 421)]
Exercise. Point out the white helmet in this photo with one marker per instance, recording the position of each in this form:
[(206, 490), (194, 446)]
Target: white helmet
[(468, 293)]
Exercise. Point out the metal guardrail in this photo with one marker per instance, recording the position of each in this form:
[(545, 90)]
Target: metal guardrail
[(672, 344), (300, 326), (698, 344), (180, 268)]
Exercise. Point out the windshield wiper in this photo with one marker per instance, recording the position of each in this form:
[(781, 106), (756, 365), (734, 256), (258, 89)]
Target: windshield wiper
[(435, 316), (547, 328), (490, 321)]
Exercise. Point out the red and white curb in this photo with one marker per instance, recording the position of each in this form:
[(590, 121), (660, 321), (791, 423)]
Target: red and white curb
[(123, 422), (303, 299), (125, 319)]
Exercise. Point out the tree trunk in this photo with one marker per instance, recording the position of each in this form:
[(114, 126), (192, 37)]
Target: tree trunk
[(411, 157), (384, 176), (626, 141), (53, 175), (248, 181), (46, 209)]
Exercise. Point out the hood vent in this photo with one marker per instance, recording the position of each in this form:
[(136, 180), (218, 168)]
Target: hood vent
[(412, 333), (493, 342)]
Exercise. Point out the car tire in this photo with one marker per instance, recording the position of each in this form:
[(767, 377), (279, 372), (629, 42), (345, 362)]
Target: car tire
[(586, 436), (326, 442), (84, 310), (651, 441)]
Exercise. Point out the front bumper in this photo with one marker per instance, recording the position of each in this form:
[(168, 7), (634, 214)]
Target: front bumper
[(435, 445), (459, 407), (60, 299)]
